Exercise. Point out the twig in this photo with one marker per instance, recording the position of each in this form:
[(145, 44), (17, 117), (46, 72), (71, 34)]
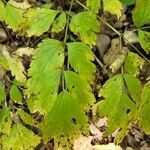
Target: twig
[(100, 64), (148, 27), (9, 35)]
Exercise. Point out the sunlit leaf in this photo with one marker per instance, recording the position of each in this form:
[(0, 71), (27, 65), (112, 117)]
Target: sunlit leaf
[(94, 5), (113, 6), (133, 63), (78, 53), (59, 23), (85, 25), (145, 109), (141, 14), (2, 93), (20, 138), (45, 75), (38, 20)]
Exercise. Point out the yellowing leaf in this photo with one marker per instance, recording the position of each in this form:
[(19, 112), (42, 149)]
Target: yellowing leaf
[(20, 138), (5, 121), (59, 23), (15, 94), (13, 64), (94, 5), (122, 96), (24, 51), (133, 63), (79, 88), (141, 14), (45, 75), (13, 17), (26, 117), (78, 53), (145, 109), (64, 120), (113, 6), (38, 20), (86, 26), (144, 37), (22, 5)]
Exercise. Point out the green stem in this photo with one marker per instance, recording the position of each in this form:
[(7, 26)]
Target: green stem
[(65, 39), (148, 27)]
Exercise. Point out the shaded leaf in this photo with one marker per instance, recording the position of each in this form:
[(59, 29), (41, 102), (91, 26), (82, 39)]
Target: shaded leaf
[(65, 119), (79, 88), (15, 94), (128, 2), (13, 17), (122, 96), (27, 118)]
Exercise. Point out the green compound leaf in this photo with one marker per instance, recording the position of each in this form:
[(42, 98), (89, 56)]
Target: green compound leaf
[(78, 53), (45, 75), (20, 138), (79, 88), (13, 17), (86, 26), (144, 38), (113, 6), (15, 94), (144, 110), (59, 23), (122, 95), (133, 63), (65, 119), (38, 20), (2, 93), (141, 15), (93, 5)]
